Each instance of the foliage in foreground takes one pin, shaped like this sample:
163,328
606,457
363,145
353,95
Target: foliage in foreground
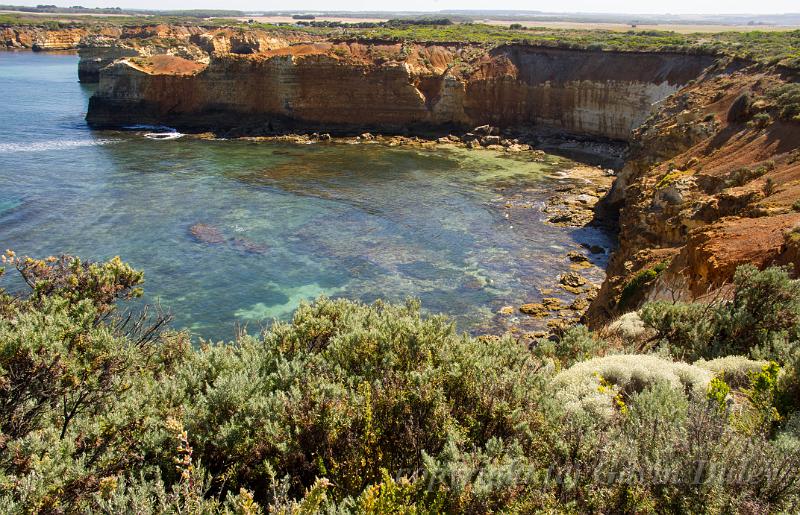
374,409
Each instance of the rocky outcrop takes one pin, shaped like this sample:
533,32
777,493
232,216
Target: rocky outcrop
41,39
187,42
232,41
704,191
16,38
97,52
394,87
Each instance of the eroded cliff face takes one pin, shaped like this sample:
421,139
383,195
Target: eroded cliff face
41,39
97,51
193,43
393,87
705,190
596,93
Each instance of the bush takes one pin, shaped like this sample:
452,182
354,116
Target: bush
769,187
744,175
368,409
594,385
760,120
629,326
669,454
740,109
576,344
787,98
345,391
736,371
634,289
762,320
380,385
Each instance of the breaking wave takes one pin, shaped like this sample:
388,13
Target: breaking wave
49,145
163,135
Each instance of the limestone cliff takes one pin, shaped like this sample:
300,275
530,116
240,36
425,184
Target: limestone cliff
395,87
41,39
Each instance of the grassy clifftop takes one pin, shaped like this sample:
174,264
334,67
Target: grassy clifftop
773,47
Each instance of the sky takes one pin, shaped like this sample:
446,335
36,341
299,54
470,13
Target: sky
593,6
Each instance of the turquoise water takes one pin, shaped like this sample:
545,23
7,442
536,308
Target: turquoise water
239,232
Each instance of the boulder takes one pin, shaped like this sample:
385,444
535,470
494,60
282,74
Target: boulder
208,234
483,130
577,257
552,303
571,279
579,304
506,310
535,310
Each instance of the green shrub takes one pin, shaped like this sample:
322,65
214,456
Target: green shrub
736,371
762,320
718,391
593,386
744,175
634,289
669,454
769,187
576,344
343,392
364,370
353,408
629,326
760,120
762,395
787,98
740,108
683,329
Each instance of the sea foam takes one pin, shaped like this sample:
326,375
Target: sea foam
49,145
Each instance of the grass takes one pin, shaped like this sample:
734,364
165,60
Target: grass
670,178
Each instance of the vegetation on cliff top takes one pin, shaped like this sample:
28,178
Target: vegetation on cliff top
773,47
377,409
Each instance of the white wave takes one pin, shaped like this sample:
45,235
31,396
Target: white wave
45,146
163,135
151,128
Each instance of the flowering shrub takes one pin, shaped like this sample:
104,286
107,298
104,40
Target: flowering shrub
594,385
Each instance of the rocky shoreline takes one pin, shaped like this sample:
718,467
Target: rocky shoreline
708,173
572,203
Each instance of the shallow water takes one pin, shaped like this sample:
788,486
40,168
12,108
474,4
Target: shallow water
240,232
